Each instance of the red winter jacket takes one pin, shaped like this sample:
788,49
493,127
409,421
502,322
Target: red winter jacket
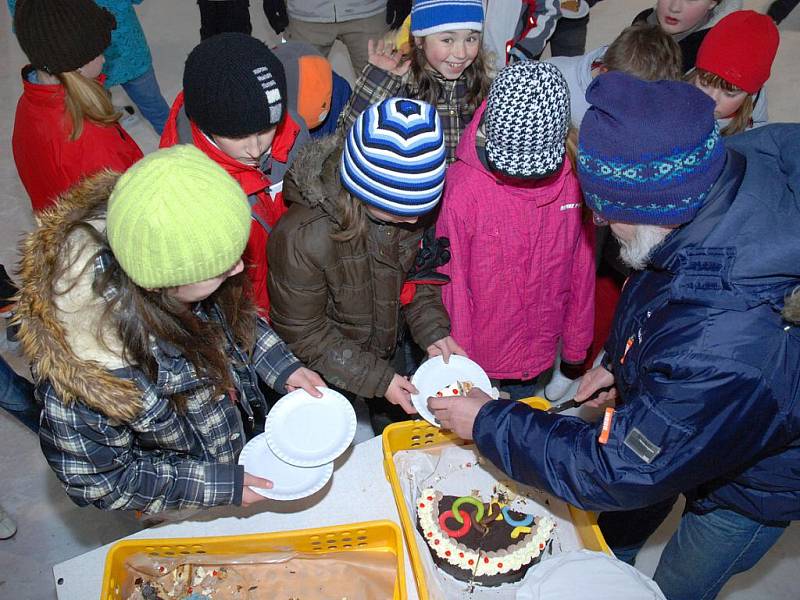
266,197
48,162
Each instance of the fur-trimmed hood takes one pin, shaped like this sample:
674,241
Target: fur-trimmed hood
59,313
313,179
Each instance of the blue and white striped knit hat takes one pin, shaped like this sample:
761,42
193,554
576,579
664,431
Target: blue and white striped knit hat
648,151
431,16
394,157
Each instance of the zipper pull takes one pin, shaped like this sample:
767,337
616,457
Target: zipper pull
628,346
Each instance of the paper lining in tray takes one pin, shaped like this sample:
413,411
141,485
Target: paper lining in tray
459,471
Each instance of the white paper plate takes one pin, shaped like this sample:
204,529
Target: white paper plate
434,374
289,482
583,10
307,432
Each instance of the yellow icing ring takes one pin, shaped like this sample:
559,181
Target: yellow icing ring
467,500
519,531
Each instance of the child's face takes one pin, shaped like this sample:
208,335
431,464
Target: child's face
195,292
387,217
677,16
727,102
92,69
451,52
248,149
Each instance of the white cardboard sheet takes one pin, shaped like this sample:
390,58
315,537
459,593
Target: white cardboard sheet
458,471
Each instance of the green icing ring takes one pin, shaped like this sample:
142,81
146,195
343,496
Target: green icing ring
467,500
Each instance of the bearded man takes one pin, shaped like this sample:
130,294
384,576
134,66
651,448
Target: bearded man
703,360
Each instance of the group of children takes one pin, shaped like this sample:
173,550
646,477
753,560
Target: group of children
446,205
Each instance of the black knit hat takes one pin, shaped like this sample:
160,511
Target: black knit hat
233,85
62,35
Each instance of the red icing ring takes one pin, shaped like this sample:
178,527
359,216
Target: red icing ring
457,533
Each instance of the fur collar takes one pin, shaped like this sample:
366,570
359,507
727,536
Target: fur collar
60,318
313,180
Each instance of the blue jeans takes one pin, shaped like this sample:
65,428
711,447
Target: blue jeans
704,553
145,93
16,396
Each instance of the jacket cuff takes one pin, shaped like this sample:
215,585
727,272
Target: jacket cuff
498,432
280,382
238,485
432,335
383,383
223,484
573,356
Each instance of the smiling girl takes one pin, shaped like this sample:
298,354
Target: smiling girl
446,67
733,64
688,21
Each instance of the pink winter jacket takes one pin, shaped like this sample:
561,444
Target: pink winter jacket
522,266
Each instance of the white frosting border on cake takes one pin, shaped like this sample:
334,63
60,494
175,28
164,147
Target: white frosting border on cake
448,549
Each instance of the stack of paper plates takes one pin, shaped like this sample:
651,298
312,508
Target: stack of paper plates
302,437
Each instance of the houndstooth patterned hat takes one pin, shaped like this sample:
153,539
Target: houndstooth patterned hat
527,118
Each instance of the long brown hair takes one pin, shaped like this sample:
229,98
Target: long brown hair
139,315
477,78
743,118
352,216
86,99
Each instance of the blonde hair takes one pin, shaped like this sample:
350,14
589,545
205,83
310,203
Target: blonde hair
743,118
353,219
571,146
86,99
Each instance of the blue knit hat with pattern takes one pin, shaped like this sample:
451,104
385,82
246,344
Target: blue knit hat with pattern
432,16
394,157
649,151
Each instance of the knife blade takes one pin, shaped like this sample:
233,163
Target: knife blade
574,403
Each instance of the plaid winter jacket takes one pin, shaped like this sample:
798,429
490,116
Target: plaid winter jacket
375,85
112,435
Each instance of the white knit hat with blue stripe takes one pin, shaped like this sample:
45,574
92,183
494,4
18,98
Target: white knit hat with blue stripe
432,16
394,157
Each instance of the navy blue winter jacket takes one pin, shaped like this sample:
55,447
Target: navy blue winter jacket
710,377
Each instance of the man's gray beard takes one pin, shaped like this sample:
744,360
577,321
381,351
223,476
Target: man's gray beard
636,253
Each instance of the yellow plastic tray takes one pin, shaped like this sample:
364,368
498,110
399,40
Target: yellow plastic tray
371,535
418,434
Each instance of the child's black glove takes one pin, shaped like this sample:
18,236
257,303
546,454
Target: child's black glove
433,253
396,12
276,14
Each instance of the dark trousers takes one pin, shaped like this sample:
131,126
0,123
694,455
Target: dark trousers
16,396
7,288
569,37
626,531
221,16
780,9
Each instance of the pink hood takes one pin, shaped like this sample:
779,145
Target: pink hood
522,266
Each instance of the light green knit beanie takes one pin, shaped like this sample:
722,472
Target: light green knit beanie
176,217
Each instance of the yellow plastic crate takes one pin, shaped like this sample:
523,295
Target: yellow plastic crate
371,535
418,434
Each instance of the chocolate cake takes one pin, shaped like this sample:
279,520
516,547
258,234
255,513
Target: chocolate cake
488,544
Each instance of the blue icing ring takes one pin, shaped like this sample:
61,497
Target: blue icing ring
526,522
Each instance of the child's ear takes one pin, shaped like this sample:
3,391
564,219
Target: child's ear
419,41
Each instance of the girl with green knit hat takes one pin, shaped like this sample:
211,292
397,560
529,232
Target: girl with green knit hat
145,346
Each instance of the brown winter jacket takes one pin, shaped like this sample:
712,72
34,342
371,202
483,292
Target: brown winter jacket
337,303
